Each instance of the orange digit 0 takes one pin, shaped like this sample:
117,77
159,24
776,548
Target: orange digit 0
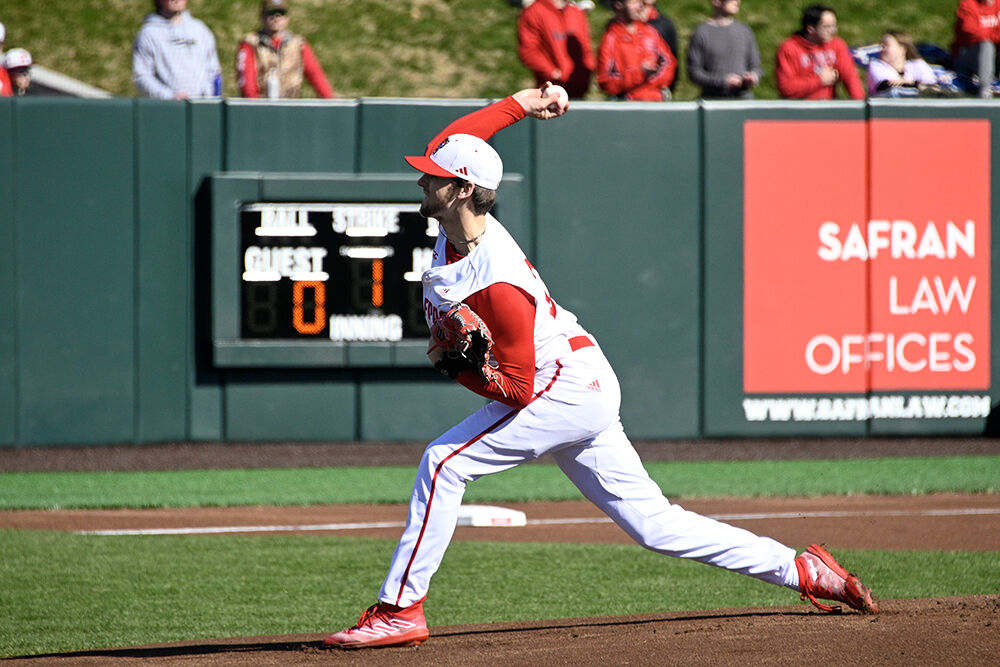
319,307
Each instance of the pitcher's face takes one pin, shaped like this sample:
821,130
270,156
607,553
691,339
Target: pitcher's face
439,195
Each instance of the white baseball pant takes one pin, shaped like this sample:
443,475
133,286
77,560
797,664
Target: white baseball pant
574,417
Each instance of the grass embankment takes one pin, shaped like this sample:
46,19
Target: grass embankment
420,48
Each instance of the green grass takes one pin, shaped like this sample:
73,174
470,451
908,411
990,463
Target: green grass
64,592
388,48
533,482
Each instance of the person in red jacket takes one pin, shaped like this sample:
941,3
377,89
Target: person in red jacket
273,61
974,50
810,63
634,63
553,41
6,90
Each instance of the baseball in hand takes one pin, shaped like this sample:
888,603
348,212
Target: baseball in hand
558,95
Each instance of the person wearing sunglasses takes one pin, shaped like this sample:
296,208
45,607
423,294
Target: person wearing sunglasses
273,62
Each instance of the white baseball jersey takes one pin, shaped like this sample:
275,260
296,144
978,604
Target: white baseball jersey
497,258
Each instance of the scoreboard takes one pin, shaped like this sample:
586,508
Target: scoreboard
324,270
344,272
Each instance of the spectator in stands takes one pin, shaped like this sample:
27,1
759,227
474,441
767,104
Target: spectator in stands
634,63
585,5
17,63
723,58
668,32
553,41
5,87
810,63
273,61
898,70
974,49
174,55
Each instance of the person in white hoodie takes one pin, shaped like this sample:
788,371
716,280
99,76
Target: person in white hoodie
174,55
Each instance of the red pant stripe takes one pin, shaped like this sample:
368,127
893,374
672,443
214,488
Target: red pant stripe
430,498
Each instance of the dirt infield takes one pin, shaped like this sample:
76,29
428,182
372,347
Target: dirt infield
953,631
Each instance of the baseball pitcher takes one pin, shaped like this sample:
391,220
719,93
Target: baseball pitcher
497,330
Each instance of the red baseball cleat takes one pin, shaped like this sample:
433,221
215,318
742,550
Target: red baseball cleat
384,624
820,576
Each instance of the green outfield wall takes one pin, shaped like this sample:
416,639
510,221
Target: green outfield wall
751,269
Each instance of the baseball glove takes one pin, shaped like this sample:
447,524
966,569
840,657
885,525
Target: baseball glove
466,342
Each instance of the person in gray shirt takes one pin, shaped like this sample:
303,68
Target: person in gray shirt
174,55
723,58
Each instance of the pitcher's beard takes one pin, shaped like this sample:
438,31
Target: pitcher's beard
431,209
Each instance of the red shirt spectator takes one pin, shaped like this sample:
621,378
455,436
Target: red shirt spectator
809,64
553,41
976,21
635,63
6,90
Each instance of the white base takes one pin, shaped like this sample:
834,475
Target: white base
482,516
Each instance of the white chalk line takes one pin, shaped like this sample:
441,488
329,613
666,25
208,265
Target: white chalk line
324,527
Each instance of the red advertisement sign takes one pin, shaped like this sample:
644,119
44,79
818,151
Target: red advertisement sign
866,256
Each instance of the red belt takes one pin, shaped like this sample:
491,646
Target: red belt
580,342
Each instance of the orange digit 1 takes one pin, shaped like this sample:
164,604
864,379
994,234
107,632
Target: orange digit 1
318,307
378,297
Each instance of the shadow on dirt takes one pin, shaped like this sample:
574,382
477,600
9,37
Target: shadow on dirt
186,650
609,623
220,648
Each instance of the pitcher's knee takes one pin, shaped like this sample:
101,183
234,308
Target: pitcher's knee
432,460
434,455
